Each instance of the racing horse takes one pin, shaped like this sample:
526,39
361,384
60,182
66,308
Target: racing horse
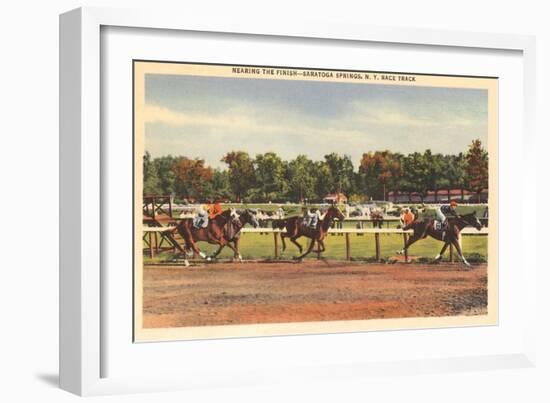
295,228
213,233
232,231
449,235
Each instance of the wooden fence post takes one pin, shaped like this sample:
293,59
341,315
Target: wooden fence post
276,239
151,254
348,251
156,243
377,245
405,238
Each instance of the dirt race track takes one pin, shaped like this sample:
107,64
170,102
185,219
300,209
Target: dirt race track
246,293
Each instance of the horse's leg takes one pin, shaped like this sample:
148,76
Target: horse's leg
183,250
222,242
197,251
236,249
456,244
200,235
443,249
322,243
291,232
293,240
309,249
283,236
415,237
215,254
185,233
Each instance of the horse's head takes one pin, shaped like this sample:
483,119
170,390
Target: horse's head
249,217
233,214
230,214
335,213
472,220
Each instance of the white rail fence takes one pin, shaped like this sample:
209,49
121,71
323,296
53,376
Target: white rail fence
155,237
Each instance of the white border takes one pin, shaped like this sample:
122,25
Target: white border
80,309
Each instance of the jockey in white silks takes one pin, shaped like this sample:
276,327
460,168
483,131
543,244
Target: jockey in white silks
312,217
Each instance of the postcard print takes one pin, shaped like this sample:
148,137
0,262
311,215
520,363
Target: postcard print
278,201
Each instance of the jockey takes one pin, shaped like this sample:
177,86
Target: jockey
206,212
446,210
201,219
311,217
407,217
214,209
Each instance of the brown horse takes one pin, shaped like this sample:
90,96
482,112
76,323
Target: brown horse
232,231
295,228
449,235
213,233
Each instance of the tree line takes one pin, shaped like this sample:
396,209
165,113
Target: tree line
267,177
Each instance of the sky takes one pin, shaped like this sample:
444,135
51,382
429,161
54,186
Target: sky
206,117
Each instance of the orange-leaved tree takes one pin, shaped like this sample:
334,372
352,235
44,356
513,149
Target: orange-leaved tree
477,168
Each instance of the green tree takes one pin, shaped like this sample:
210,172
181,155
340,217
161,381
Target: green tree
270,178
221,185
440,173
416,173
241,169
151,183
301,179
323,179
477,168
341,177
454,172
167,176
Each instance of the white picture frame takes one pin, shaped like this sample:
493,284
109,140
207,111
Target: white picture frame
82,344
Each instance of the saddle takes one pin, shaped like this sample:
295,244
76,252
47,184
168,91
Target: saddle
439,226
306,225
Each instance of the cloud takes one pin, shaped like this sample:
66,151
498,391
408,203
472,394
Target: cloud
247,120
410,116
160,114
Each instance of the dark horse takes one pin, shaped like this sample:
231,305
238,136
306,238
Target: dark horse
449,235
232,231
213,233
295,228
